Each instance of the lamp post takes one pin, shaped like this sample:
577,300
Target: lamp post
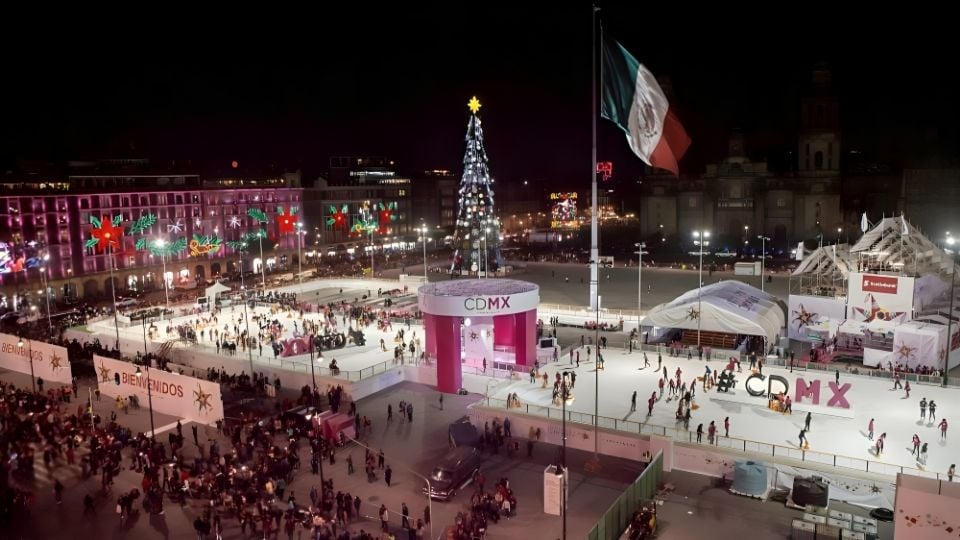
46,292
423,238
246,319
953,283
418,475
763,257
153,431
113,293
299,253
639,253
33,379
372,251
564,395
701,241
486,248
160,243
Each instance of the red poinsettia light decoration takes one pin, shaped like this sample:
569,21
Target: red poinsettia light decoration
106,232
286,220
387,215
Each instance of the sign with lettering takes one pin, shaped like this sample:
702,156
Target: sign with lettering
178,395
50,362
880,284
805,393
479,304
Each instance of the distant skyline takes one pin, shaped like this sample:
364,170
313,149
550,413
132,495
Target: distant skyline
394,82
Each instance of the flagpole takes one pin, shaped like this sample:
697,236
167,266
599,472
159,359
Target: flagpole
594,463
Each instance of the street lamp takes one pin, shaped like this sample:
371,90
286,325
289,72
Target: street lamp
763,256
33,379
113,293
46,292
246,319
701,241
953,283
153,432
423,237
300,233
160,243
564,396
640,254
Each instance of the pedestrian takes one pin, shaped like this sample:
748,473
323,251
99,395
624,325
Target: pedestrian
633,401
806,423
916,445
650,402
384,516
870,430
646,363
196,440
700,433
838,376
659,361
410,412
907,390
726,427
58,491
896,381
405,512
380,459
387,475
923,408
389,412
712,433
441,401
933,411
943,428
803,437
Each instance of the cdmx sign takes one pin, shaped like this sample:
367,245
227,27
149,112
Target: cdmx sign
804,391
486,303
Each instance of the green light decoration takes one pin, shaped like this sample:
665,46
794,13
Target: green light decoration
246,240
366,220
258,215
388,214
143,223
167,250
338,218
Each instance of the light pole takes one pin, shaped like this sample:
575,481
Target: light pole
953,283
160,243
423,237
486,248
564,395
763,257
246,319
372,251
46,292
300,254
418,475
33,379
701,241
153,431
113,293
639,253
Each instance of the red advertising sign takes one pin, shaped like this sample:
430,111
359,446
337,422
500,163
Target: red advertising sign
880,284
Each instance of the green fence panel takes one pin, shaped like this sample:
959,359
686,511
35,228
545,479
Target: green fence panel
614,521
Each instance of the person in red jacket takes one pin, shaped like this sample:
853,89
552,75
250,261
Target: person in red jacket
943,428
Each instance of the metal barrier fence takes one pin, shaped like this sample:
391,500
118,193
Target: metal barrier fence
684,435
935,380
614,521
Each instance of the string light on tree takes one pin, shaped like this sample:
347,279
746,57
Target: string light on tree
475,204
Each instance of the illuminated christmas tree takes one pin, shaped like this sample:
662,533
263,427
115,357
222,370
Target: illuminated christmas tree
477,237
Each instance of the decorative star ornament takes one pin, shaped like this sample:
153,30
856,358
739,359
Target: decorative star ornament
904,352
474,105
175,227
804,317
104,372
55,362
693,314
202,399
234,222
474,336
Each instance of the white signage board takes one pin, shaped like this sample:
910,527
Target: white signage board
50,362
479,304
173,394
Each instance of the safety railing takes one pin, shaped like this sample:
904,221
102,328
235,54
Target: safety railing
864,372
684,435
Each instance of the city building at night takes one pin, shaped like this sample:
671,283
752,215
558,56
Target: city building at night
46,224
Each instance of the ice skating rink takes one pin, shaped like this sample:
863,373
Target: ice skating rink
843,433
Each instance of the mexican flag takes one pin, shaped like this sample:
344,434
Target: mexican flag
632,99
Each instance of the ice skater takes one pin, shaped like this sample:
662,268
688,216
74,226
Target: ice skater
803,438
646,363
879,447
712,433
726,427
633,401
916,445
870,430
923,454
943,428
700,434
933,411
896,381
650,402
907,390
806,422
923,409
951,471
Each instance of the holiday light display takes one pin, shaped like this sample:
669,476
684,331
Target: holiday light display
477,237
387,216
338,217
286,220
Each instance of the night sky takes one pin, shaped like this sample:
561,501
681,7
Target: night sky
292,89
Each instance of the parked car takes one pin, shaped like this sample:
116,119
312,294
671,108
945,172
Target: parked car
13,317
455,470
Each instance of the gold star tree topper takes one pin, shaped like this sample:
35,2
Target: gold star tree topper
474,105
202,399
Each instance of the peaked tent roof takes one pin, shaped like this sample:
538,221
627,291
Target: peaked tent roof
728,306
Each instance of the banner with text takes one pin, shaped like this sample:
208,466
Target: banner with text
874,296
50,362
174,394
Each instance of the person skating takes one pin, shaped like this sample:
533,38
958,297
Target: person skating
879,447
633,401
923,454
838,377
700,433
870,430
650,402
802,437
712,433
923,408
907,390
646,363
951,471
916,445
659,362
806,422
896,381
660,386
943,428
932,407
726,427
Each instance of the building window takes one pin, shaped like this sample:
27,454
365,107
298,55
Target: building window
781,203
693,202
818,160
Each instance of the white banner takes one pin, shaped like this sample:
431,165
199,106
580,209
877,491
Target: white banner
919,345
479,303
808,312
50,362
173,394
873,296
